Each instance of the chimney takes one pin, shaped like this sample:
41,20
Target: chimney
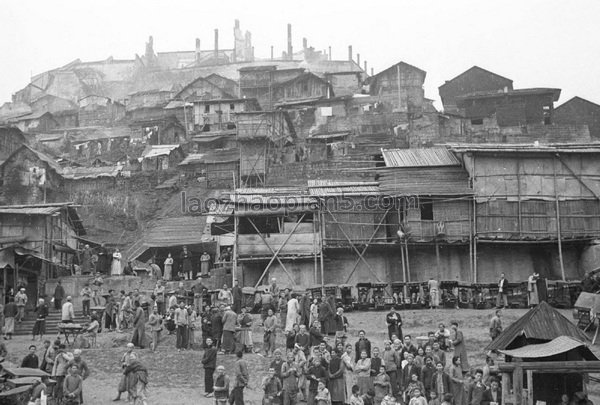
358,59
271,52
216,43
350,52
290,50
365,69
198,49
304,43
372,72
329,53
237,24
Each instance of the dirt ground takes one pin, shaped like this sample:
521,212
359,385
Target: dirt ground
176,378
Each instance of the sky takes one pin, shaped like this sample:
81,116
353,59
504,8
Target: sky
536,43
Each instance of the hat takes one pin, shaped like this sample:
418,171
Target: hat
69,298
130,345
77,351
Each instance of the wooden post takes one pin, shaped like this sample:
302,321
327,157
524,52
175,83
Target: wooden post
322,226
437,258
235,249
518,385
407,262
474,231
315,246
558,227
519,208
529,387
506,398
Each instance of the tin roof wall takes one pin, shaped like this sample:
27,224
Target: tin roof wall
437,156
158,150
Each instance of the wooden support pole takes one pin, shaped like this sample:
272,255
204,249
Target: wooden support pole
519,208
529,387
361,256
276,253
353,247
474,230
558,227
506,389
322,229
407,262
315,247
235,250
518,385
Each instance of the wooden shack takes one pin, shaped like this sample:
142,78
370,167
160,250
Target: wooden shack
217,168
545,356
535,207
37,242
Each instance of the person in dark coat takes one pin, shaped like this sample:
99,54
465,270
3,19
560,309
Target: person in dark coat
236,292
31,360
332,307
59,296
305,309
316,337
394,323
103,262
185,258
217,327
362,345
492,394
209,362
325,316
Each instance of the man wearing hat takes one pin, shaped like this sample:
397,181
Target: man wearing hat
68,314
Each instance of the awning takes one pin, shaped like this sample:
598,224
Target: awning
561,344
207,139
89,241
329,135
22,251
264,211
60,247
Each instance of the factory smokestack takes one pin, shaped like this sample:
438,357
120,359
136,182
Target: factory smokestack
290,50
329,53
365,69
271,52
216,43
358,59
197,49
350,52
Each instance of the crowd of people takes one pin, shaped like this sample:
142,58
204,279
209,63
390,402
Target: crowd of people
312,357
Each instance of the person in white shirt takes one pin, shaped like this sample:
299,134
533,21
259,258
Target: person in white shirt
68,314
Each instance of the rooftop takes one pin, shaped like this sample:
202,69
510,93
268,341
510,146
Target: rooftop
437,156
539,91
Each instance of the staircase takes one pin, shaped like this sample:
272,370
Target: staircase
52,320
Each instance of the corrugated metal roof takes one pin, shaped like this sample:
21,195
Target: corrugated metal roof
30,210
542,323
584,147
438,156
561,344
75,173
446,180
158,150
175,232
332,187
272,191
211,157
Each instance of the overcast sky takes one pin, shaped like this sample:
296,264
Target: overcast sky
536,43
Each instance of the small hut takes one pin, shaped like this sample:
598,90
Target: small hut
546,356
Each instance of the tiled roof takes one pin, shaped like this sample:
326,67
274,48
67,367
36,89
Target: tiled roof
438,156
